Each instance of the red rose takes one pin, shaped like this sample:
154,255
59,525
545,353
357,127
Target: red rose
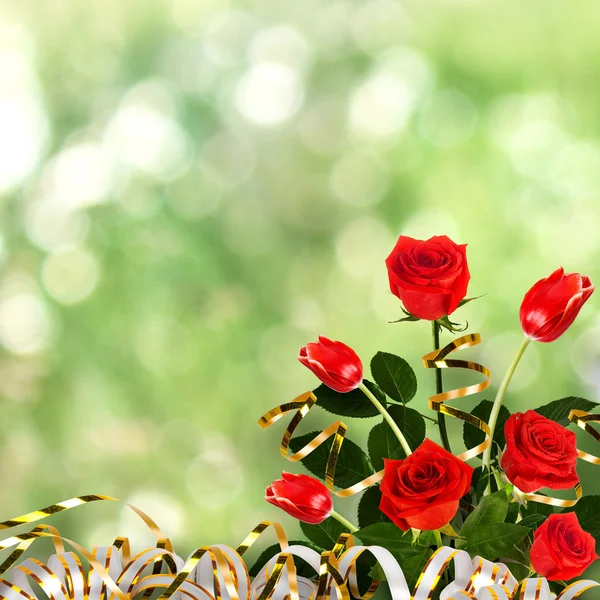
539,453
301,496
430,277
334,363
423,490
552,304
562,550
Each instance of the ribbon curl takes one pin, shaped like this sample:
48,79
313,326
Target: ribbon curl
581,419
219,572
437,360
302,405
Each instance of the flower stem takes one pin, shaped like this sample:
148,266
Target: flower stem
438,538
344,521
439,388
386,415
487,456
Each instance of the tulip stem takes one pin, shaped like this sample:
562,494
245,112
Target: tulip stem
487,455
439,387
344,521
386,415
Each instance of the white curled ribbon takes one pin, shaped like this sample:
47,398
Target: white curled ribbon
475,579
64,578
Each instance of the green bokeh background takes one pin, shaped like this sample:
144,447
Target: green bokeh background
193,189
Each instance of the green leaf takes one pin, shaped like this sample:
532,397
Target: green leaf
304,569
394,376
480,480
368,508
382,441
414,564
517,561
491,509
390,536
493,540
352,404
588,513
324,535
353,464
451,326
473,437
466,300
534,514
513,512
559,409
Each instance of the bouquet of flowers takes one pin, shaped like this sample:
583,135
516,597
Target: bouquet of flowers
431,521
498,499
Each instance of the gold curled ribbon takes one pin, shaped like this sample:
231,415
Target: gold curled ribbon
437,360
302,405
222,558
581,419
554,501
63,578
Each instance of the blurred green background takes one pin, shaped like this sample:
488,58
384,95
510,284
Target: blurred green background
193,189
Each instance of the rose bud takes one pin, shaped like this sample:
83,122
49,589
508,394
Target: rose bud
539,453
551,305
423,490
561,549
334,363
430,277
301,496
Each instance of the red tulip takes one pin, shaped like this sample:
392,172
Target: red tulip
552,304
334,363
301,496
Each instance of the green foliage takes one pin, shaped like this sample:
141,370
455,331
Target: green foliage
353,464
491,509
493,540
480,480
325,534
485,533
394,376
383,443
388,535
411,554
368,508
559,409
534,514
351,404
473,436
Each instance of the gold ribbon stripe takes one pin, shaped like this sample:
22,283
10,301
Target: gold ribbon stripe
437,360
581,419
302,405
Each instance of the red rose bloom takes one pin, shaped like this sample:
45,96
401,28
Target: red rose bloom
430,277
301,496
561,549
552,304
423,490
334,363
539,453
